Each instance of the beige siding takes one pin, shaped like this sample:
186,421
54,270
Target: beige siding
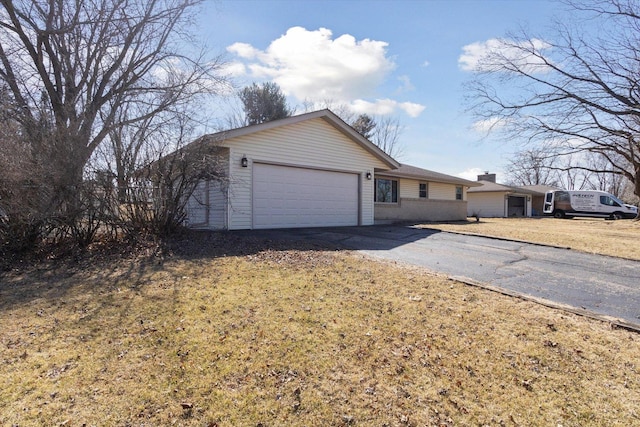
198,206
440,191
239,192
217,205
488,205
409,188
312,143
207,207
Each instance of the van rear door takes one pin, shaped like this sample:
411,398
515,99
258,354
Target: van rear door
548,203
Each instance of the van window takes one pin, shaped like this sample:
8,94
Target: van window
563,196
608,201
548,197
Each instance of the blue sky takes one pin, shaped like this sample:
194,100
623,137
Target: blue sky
401,58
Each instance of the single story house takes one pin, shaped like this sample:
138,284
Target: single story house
314,170
409,193
493,200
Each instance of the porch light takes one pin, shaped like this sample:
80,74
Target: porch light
368,175
244,162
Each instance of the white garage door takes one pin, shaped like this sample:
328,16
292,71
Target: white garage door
297,197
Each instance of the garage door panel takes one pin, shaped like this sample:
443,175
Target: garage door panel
286,196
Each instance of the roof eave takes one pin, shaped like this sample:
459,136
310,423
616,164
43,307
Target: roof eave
461,181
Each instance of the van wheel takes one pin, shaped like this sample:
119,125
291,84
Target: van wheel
616,215
558,214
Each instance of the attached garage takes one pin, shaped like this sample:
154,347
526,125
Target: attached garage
289,197
311,170
516,206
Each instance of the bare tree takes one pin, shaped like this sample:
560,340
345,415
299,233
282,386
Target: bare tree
157,193
532,167
543,166
383,131
19,227
604,181
147,171
87,65
90,58
386,136
26,190
579,92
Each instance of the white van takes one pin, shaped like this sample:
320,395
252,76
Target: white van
597,204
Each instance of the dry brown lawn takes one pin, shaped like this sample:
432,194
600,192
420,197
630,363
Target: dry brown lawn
616,238
236,332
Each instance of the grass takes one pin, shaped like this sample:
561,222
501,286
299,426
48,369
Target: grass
238,332
615,238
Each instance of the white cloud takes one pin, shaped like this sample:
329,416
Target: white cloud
412,109
243,50
314,66
234,68
426,64
471,174
383,107
488,125
406,86
494,54
380,107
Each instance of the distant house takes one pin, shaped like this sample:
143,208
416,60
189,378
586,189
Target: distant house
493,200
314,170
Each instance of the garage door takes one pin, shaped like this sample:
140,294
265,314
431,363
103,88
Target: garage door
516,206
286,196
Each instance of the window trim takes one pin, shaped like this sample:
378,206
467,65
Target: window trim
461,194
426,190
395,187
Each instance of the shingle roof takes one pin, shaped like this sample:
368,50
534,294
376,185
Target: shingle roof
488,187
542,189
407,171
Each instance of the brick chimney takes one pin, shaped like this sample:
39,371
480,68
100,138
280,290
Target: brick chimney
491,177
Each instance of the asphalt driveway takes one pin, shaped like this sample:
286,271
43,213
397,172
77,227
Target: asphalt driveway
599,286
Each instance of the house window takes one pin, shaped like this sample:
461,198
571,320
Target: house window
386,190
422,193
458,193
